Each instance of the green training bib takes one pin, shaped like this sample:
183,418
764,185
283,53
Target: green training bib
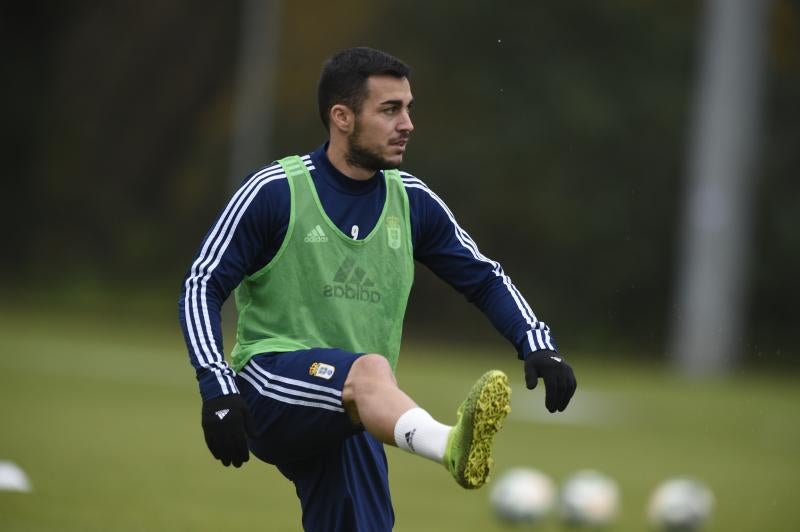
324,289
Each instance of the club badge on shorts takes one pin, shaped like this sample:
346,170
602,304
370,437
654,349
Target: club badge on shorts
323,371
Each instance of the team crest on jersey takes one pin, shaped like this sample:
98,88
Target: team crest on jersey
323,371
393,231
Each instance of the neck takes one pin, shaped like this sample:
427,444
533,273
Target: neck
337,155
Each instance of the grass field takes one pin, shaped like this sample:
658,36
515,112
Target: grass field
103,415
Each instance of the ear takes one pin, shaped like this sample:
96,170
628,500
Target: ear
342,118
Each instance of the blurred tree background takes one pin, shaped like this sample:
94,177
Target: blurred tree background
557,133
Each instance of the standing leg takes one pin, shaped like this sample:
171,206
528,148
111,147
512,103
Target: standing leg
346,489
339,470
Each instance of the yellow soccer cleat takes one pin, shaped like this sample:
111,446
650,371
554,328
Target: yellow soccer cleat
468,455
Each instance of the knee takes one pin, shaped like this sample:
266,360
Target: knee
372,366
369,371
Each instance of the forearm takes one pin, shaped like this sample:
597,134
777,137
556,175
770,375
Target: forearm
200,317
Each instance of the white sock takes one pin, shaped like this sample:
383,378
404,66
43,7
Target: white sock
417,432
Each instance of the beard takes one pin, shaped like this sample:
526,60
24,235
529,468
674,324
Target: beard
362,156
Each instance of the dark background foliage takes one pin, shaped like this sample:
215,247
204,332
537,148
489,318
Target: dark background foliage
557,132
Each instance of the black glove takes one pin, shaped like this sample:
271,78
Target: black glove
226,423
559,380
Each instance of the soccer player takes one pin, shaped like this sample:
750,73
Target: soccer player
320,250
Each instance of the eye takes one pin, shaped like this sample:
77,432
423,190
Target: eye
391,110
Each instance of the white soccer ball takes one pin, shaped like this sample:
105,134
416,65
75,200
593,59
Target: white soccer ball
680,504
522,495
13,478
589,499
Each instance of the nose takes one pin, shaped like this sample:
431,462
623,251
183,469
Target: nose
405,124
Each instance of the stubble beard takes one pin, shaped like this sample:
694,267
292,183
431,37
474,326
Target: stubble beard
363,157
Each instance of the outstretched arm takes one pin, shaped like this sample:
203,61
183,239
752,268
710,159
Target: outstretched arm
444,247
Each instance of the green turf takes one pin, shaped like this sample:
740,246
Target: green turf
103,415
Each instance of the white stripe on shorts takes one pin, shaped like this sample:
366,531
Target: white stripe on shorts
284,399
264,384
287,380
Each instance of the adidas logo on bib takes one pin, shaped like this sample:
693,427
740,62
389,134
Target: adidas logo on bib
352,282
316,235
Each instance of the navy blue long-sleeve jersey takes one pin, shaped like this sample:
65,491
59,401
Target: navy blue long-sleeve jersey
250,230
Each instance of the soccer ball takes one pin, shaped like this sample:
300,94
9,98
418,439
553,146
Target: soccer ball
522,495
589,499
680,504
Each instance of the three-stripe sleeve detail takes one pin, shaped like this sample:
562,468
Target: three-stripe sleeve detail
204,347
538,335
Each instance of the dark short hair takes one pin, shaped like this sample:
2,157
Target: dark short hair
344,78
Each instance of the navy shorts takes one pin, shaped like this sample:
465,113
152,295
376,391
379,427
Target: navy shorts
339,470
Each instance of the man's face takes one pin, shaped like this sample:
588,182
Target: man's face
382,128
